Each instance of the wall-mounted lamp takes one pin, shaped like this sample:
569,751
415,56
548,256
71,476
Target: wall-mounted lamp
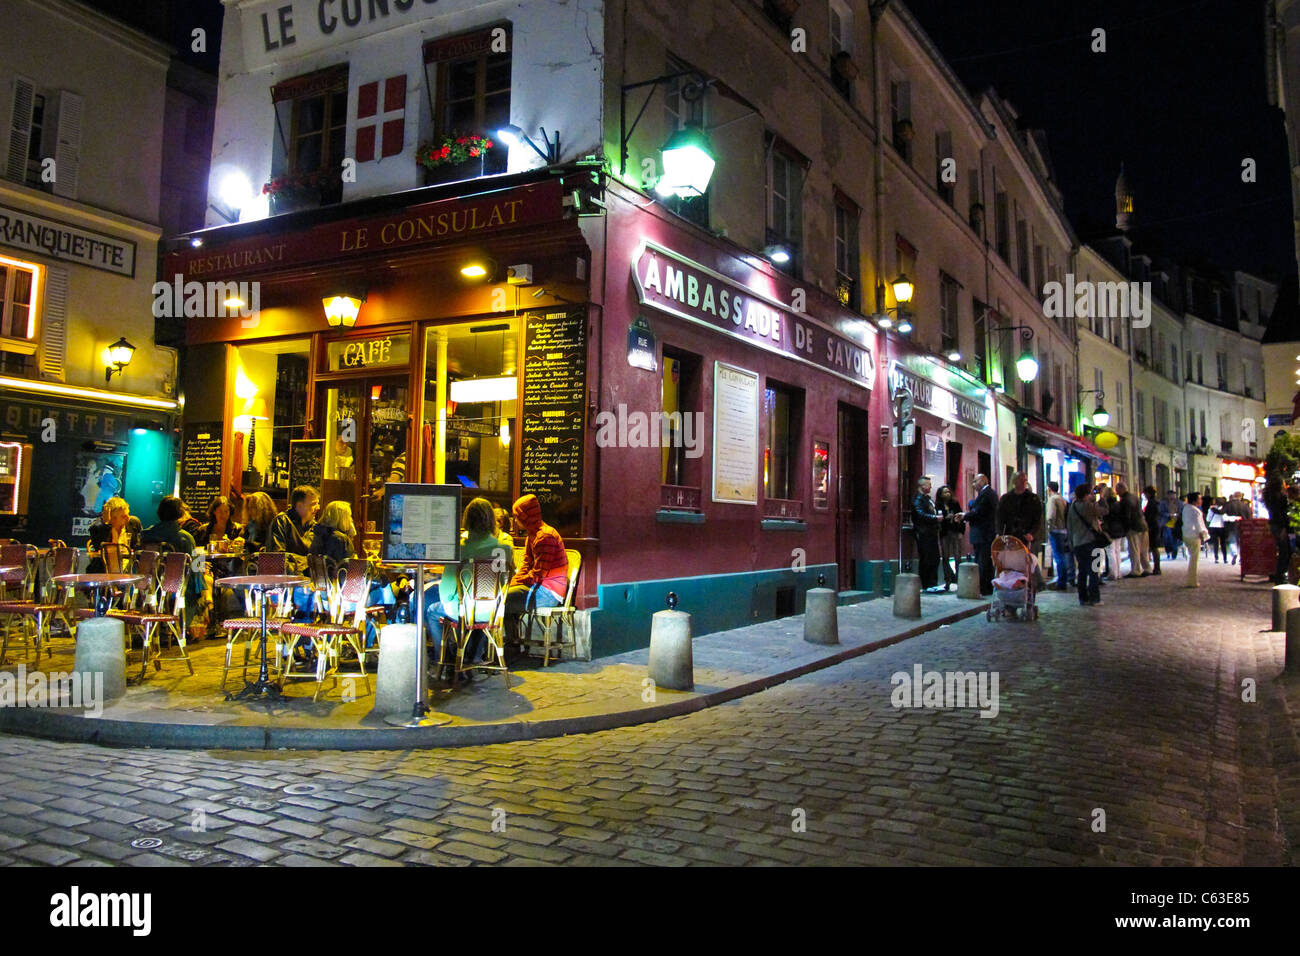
513,136
688,163
119,357
777,254
1100,417
341,311
903,291
1026,364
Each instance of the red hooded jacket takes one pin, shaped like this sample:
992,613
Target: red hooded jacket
545,562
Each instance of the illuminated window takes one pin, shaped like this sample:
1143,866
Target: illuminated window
18,288
781,410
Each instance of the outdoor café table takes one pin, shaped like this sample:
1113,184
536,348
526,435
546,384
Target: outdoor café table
259,584
95,583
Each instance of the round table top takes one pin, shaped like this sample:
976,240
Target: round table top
97,580
11,568
265,581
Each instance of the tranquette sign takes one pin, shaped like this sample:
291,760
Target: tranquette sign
22,230
691,291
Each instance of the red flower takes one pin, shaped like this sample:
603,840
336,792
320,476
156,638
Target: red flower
473,150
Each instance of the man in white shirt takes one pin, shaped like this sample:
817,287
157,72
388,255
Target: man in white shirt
1194,532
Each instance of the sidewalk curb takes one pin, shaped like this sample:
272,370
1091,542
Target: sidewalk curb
55,725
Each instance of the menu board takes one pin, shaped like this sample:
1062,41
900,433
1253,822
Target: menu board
422,523
735,435
554,422
201,465
306,462
1258,547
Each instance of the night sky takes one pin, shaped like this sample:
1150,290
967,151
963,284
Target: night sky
1179,97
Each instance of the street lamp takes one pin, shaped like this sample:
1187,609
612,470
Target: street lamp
512,135
1026,364
341,310
119,357
1100,417
903,290
688,164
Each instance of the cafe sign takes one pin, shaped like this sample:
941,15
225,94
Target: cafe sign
956,400
688,290
369,353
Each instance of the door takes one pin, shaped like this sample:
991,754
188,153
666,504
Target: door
366,427
852,505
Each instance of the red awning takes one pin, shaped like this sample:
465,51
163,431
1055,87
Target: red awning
1065,440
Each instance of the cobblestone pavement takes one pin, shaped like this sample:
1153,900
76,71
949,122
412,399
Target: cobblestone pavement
1133,709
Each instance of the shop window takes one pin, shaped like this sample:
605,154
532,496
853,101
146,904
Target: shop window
312,115
471,75
270,408
479,362
847,278
682,428
18,289
781,423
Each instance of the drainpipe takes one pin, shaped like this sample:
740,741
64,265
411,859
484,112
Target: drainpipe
877,11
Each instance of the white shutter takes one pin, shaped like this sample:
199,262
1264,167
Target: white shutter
20,129
53,327
67,145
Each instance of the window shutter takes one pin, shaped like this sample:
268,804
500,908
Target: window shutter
53,328
20,129
67,148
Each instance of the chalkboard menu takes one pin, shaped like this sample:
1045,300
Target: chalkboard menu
201,465
306,462
1258,547
552,436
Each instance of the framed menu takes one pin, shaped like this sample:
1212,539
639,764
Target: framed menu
735,434
553,431
201,465
421,524
306,462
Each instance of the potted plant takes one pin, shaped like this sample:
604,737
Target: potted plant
452,150
303,190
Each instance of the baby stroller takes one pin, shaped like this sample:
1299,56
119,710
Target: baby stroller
1015,570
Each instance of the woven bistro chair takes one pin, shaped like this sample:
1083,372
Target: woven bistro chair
249,627
37,608
482,596
168,616
346,631
553,620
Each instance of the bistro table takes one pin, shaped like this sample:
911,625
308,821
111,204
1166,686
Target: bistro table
96,583
259,584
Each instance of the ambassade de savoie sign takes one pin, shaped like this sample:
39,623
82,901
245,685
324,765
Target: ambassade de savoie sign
677,285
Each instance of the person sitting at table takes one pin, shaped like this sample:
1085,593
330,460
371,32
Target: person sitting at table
219,526
190,523
259,513
168,530
481,540
543,579
114,527
291,531
333,533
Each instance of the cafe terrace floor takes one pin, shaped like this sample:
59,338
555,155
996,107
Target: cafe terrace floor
171,708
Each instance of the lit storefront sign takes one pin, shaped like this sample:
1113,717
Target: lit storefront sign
688,290
1240,471
23,230
369,353
959,401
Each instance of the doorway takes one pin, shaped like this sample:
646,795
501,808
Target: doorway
852,501
366,427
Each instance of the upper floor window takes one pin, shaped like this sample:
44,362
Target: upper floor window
312,112
945,167
470,75
1002,224
842,69
18,287
44,125
1221,367
785,219
900,115
1022,249
847,281
948,325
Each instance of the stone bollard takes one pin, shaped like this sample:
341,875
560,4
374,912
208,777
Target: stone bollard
671,664
968,581
1293,640
395,682
821,624
907,595
101,649
1285,597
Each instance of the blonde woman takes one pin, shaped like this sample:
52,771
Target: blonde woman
259,512
114,527
334,532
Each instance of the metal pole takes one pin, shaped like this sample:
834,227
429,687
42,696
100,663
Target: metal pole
421,678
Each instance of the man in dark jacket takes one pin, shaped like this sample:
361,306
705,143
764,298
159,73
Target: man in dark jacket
1020,512
291,531
925,525
982,517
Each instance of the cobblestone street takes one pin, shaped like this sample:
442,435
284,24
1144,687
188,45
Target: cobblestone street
1133,709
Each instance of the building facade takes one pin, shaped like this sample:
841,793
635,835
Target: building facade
79,234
